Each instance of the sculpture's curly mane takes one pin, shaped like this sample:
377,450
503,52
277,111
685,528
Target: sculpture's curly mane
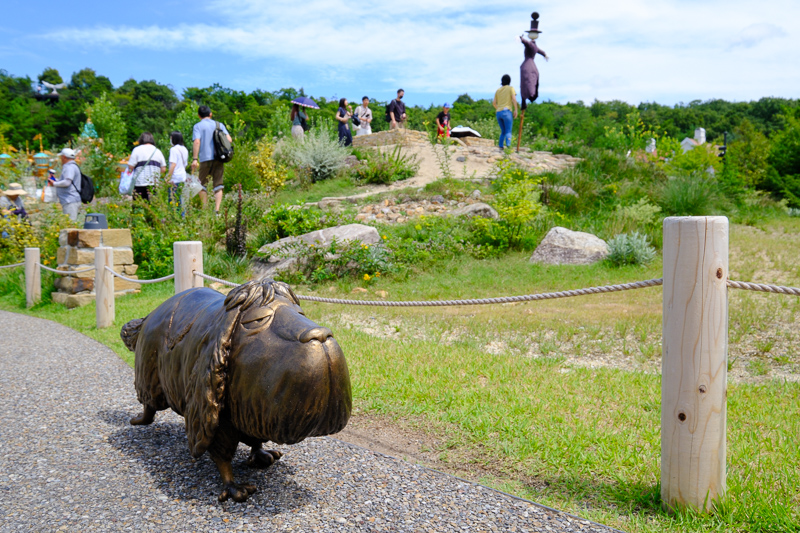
259,292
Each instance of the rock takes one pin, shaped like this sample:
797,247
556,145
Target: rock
565,190
438,199
351,161
359,290
475,194
381,294
566,247
329,203
461,158
478,209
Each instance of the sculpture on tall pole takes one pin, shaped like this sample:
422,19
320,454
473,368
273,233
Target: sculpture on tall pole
528,73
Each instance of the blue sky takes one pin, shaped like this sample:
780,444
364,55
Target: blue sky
667,51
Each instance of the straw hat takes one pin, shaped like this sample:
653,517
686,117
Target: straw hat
14,189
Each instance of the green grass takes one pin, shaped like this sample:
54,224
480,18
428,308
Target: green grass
529,417
339,186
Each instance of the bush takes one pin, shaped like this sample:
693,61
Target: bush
327,263
285,220
320,154
386,166
690,196
630,249
271,173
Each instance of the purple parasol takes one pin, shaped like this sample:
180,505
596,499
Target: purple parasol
305,101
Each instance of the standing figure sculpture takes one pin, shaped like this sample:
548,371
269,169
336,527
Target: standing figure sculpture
249,367
528,73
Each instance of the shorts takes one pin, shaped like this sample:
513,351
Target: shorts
215,169
71,210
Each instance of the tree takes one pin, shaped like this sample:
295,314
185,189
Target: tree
748,155
464,99
51,75
110,127
86,85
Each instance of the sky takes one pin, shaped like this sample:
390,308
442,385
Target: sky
665,51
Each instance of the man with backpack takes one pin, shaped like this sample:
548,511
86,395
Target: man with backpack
68,185
205,154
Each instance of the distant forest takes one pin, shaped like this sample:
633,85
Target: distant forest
767,129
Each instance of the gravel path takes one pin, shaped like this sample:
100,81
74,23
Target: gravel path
69,461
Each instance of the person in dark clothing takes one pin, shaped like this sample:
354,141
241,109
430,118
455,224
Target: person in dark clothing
529,74
443,121
343,115
397,111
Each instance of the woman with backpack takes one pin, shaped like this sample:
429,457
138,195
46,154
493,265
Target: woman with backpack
146,163
343,115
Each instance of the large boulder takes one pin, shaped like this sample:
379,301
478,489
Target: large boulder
566,247
271,263
478,209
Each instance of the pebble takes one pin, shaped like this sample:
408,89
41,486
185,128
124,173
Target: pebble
70,461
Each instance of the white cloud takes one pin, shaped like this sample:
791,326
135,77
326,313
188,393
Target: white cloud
633,50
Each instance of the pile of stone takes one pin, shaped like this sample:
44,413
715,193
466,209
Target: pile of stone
393,211
76,252
391,137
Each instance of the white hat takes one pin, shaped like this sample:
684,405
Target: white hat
69,153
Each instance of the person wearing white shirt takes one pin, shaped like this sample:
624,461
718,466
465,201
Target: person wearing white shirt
364,114
146,162
178,161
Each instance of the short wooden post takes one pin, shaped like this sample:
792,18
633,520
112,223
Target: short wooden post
694,367
33,277
188,258
104,286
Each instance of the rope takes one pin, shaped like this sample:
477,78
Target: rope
501,300
66,272
747,286
140,281
212,278
11,266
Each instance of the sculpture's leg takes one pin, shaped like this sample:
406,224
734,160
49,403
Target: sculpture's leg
147,417
222,450
262,458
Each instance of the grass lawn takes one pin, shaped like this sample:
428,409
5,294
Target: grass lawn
559,401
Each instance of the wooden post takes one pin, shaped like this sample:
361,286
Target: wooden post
104,286
33,277
694,364
188,257
521,121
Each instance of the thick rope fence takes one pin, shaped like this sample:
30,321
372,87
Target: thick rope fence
12,266
694,339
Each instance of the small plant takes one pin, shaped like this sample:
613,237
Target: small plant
630,249
386,166
284,220
236,237
793,212
320,154
271,173
317,264
443,157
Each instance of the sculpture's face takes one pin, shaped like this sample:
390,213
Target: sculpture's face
294,367
533,35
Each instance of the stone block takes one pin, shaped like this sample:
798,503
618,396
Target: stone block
73,285
122,285
116,238
72,236
89,274
73,300
88,238
122,256
63,237
128,270
80,256
61,254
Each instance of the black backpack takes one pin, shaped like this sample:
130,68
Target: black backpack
87,188
389,111
223,149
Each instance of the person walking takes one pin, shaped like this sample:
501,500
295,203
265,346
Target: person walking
68,184
343,115
443,122
298,117
203,155
178,161
147,163
364,114
397,111
505,100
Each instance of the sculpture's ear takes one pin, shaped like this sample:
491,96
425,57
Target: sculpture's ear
206,387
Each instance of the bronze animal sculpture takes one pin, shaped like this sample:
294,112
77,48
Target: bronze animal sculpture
249,367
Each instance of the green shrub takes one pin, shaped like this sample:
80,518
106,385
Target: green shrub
385,166
327,263
320,154
285,220
630,249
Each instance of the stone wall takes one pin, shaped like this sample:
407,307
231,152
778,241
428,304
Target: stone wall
76,252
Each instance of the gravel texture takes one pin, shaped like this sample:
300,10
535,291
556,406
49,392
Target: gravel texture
69,461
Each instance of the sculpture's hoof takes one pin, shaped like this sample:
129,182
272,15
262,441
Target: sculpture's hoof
263,458
238,491
143,419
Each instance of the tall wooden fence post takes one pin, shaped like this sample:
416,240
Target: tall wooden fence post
33,277
104,286
188,257
694,364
